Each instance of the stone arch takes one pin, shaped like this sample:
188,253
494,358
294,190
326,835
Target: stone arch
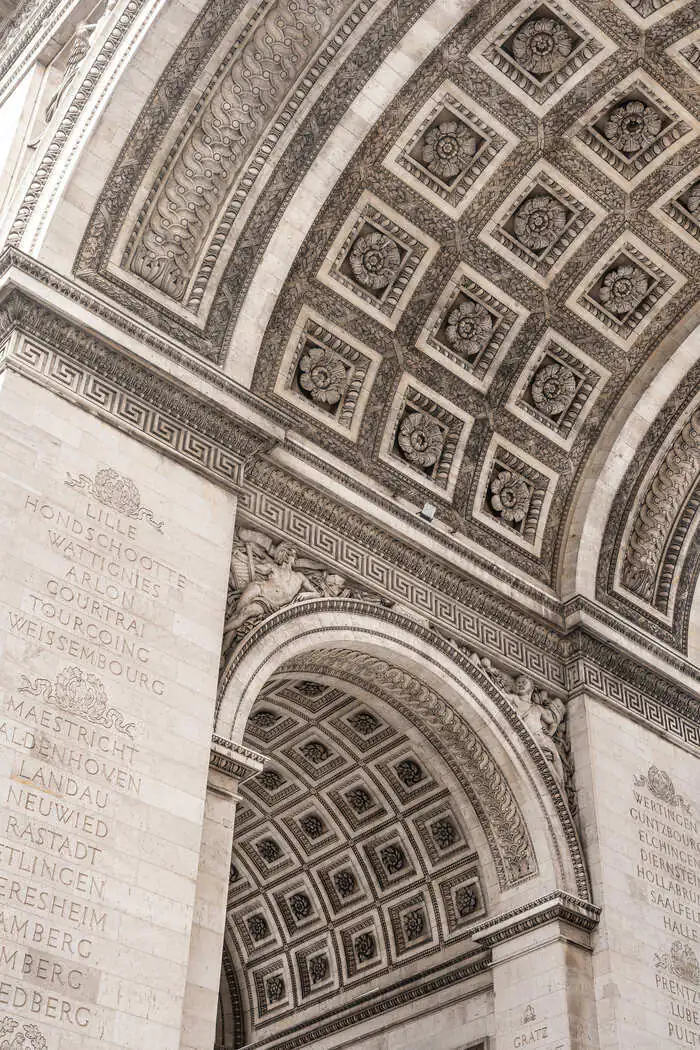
455,702
632,525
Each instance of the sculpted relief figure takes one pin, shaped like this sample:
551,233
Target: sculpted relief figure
542,714
267,576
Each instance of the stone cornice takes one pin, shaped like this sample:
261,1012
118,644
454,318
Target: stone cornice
16,265
554,907
124,391
233,760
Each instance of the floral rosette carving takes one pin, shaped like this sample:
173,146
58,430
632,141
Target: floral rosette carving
693,204
17,1036
80,693
539,221
542,45
623,288
510,496
681,961
114,490
420,439
632,126
448,148
374,260
469,325
552,388
323,375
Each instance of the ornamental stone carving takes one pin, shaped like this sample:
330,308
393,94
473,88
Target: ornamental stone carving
553,388
657,515
632,126
375,260
267,575
542,46
693,200
323,374
542,714
448,148
623,288
469,327
80,693
115,490
420,439
14,1035
510,496
188,197
539,221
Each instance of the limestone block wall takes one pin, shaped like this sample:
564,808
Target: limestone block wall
114,564
639,800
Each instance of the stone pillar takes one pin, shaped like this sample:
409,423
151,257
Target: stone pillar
229,764
543,976
114,561
639,807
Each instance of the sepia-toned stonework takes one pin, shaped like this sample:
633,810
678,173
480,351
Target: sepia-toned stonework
349,502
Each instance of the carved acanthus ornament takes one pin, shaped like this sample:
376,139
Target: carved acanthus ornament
656,517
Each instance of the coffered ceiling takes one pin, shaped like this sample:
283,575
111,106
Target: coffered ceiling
449,242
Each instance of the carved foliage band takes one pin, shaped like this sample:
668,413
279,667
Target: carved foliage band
660,525
263,67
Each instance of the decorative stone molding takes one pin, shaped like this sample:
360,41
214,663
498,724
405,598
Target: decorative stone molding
541,51
130,395
450,149
377,259
633,128
666,516
555,906
542,222
233,760
471,327
327,373
425,436
557,388
625,290
194,203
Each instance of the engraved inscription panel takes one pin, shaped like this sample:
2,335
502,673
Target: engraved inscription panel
109,587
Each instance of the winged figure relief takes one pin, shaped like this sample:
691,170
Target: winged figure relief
267,575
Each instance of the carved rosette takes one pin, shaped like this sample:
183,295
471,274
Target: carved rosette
542,46
632,126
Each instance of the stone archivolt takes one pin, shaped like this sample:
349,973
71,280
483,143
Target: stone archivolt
660,526
263,70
